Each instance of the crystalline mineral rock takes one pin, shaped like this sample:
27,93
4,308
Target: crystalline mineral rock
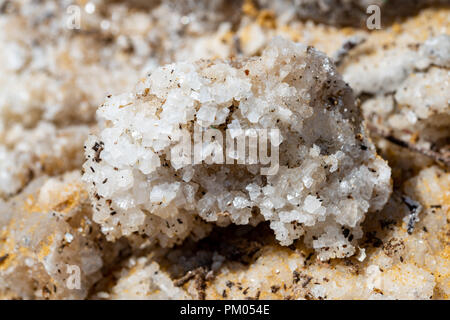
328,175
408,88
157,227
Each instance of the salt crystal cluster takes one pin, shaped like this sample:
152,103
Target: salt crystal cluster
61,58
328,178
407,88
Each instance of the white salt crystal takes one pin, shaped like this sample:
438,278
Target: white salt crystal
322,181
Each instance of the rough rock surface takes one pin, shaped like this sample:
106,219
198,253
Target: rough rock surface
47,231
